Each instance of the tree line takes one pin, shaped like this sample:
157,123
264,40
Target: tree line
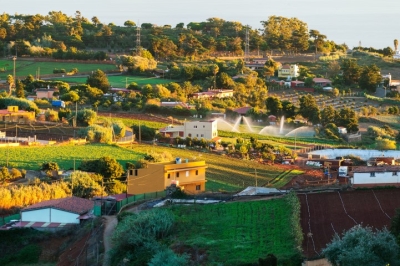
61,36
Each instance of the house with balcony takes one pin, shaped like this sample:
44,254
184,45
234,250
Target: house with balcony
192,129
187,174
288,72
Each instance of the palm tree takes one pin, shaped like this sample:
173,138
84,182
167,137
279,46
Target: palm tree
396,44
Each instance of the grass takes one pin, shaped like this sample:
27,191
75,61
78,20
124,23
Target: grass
130,122
24,68
236,233
120,81
284,178
64,156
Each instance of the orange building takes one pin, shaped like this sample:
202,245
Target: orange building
12,114
190,176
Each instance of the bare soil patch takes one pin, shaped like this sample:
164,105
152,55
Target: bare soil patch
323,214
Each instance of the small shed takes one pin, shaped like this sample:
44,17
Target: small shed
63,211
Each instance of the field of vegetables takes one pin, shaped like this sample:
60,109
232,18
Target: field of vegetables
236,233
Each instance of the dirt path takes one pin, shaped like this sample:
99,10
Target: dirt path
110,224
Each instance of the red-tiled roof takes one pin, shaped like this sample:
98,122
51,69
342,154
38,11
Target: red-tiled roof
70,204
242,110
318,80
383,168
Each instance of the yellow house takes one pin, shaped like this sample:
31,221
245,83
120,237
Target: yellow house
12,114
190,176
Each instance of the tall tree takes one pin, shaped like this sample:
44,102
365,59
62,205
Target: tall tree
273,105
19,89
351,71
309,108
98,79
370,78
319,39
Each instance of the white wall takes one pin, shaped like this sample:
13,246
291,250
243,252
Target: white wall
42,215
200,129
49,215
380,178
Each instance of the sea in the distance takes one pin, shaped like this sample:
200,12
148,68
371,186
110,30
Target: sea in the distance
369,22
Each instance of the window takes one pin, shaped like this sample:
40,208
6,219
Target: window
177,174
187,173
394,173
136,172
197,172
169,176
372,174
190,135
131,172
198,187
202,135
197,135
204,126
195,126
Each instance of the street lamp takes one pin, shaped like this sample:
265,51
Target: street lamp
15,79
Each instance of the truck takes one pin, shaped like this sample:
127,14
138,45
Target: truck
58,103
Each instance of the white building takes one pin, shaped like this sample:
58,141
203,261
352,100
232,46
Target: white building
288,72
63,211
194,129
372,176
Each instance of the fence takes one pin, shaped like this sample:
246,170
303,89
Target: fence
7,219
135,198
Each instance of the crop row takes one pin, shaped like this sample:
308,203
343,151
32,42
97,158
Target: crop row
252,229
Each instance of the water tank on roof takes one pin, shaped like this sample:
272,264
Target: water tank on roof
178,160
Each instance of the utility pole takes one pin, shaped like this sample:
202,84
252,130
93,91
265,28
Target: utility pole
15,78
140,134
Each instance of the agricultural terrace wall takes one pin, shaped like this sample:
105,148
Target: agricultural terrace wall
324,214
303,89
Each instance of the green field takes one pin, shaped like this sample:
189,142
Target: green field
236,233
120,81
225,173
24,68
130,122
33,157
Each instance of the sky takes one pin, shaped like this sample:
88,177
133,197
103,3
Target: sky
373,23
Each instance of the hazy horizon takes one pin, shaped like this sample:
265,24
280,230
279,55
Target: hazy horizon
371,22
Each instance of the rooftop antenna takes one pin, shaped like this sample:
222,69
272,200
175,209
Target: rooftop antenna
138,39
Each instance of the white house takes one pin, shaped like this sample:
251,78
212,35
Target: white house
193,129
288,71
57,211
372,176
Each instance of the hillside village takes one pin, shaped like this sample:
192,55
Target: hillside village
273,154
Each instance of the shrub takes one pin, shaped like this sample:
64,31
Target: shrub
51,115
